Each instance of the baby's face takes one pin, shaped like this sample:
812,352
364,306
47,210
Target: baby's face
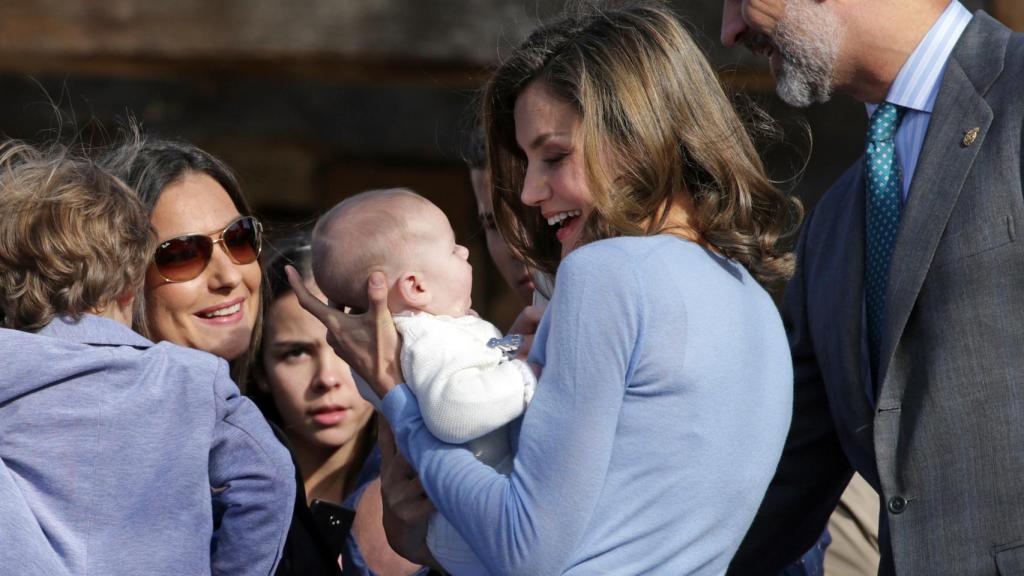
443,264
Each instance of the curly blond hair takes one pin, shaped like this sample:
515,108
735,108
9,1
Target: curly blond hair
73,238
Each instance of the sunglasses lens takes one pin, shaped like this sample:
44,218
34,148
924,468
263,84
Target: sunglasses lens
242,240
184,258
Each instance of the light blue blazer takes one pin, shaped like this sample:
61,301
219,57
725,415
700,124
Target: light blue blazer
120,456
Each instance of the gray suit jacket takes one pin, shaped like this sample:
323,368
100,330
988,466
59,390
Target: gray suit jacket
944,442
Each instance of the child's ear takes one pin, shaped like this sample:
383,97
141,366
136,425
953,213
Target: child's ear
125,304
412,290
126,298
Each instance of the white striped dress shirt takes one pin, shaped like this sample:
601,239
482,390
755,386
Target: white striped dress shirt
915,89
917,85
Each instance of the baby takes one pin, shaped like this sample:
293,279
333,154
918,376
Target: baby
458,366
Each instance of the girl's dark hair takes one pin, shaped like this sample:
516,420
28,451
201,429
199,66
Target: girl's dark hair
149,166
475,148
295,250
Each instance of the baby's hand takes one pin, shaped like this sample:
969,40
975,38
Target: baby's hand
526,324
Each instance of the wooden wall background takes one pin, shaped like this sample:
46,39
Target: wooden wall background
313,100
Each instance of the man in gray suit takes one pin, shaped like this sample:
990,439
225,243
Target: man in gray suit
904,315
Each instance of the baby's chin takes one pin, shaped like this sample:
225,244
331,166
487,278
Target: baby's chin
451,311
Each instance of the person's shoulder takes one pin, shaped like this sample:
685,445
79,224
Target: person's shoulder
187,364
27,355
477,326
835,205
990,56
627,251
641,254
608,258
413,326
10,338
626,264
420,325
39,356
189,357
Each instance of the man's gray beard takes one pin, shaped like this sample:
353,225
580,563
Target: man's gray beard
807,38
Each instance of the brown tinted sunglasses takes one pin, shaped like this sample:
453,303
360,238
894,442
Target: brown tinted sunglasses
185,257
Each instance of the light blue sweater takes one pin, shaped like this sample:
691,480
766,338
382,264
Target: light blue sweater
656,427
110,448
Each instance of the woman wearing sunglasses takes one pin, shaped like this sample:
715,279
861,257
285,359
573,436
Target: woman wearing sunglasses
203,287
203,290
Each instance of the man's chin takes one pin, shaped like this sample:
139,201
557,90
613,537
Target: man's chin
798,90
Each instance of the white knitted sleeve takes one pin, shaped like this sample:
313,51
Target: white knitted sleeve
465,389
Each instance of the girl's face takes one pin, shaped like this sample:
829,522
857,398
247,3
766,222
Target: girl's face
312,387
215,311
548,131
515,273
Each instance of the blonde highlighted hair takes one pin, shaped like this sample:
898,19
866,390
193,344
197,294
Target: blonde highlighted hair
657,130
73,237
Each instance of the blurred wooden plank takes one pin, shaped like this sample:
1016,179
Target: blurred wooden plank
463,30
346,39
420,122
1009,12
334,69
474,32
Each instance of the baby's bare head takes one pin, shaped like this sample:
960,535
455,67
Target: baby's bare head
370,231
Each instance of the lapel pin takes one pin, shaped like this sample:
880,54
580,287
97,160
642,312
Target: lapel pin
970,136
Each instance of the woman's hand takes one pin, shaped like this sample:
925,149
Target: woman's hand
368,532
368,342
406,506
526,324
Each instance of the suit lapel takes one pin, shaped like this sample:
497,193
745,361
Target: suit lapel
942,169
850,292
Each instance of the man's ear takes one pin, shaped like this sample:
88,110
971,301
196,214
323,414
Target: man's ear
412,290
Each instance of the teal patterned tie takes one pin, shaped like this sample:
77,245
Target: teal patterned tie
884,181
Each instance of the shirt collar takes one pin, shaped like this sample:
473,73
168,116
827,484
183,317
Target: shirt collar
91,329
918,81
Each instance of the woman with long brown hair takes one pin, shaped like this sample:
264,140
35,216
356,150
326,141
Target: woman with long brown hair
665,393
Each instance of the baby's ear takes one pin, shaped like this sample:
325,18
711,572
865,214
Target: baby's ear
412,290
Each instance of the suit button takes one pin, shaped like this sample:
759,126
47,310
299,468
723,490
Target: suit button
897,504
